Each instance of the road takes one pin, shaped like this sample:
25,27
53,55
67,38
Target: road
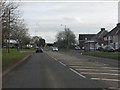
42,71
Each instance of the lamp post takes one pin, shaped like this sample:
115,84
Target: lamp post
8,43
66,30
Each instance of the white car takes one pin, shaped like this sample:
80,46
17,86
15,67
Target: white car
54,48
77,48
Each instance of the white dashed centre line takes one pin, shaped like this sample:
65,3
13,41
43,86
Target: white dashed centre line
77,73
55,59
62,63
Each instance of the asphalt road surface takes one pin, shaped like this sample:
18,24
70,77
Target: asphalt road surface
42,71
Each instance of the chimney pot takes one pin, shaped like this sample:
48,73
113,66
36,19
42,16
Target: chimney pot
102,29
118,24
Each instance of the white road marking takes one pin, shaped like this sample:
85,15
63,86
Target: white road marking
77,73
100,73
114,80
96,70
55,59
94,67
114,88
62,63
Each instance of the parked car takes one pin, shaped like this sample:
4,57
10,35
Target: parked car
118,50
77,48
108,48
54,48
100,48
39,50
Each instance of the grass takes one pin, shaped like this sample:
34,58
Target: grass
25,49
11,58
64,50
109,55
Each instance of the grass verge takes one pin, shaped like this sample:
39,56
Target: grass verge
109,55
8,59
64,50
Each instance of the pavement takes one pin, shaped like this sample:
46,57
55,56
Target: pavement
45,70
76,53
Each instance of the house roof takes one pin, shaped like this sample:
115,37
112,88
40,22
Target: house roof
90,41
114,31
88,36
102,33
118,31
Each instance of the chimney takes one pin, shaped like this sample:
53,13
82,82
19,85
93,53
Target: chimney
118,24
102,29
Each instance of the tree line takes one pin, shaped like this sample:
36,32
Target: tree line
13,26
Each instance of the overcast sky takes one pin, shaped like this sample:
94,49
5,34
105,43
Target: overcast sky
45,18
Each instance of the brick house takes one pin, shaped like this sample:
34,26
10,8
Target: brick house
92,39
100,37
83,38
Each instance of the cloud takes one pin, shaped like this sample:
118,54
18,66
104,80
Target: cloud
73,19
82,17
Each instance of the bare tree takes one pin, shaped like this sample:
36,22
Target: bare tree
66,39
12,25
8,18
41,42
35,40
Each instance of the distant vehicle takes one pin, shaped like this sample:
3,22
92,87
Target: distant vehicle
108,48
39,50
77,48
54,48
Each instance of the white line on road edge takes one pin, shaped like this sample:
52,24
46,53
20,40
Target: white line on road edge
114,80
54,58
62,63
100,73
77,73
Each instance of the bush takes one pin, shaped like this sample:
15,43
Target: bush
25,47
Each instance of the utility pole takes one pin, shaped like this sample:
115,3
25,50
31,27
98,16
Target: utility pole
67,30
68,38
9,31
0,25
